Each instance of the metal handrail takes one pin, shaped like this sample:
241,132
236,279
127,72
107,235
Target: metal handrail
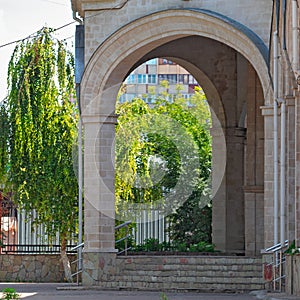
77,247
123,225
125,238
78,261
81,245
278,264
276,247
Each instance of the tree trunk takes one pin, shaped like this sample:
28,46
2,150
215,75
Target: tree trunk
65,261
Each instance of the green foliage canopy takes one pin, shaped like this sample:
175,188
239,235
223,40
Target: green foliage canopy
38,130
163,156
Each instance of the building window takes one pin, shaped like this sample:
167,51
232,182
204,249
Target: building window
172,78
142,79
130,79
126,98
192,80
152,79
183,78
162,77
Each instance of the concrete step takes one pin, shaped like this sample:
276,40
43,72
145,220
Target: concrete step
192,274
201,273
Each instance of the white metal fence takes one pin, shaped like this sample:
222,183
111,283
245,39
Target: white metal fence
151,224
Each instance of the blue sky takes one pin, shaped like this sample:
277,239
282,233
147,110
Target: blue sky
20,18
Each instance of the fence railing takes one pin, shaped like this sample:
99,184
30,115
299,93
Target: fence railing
277,265
34,249
151,223
19,236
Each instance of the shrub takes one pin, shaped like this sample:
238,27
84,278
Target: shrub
10,294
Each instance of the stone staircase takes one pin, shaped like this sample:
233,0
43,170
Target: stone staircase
189,273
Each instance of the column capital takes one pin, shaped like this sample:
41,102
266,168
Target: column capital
100,119
267,110
290,100
236,131
256,189
216,131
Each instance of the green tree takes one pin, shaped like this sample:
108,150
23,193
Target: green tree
4,134
163,156
41,127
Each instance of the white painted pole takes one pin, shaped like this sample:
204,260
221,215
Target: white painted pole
80,183
282,172
275,120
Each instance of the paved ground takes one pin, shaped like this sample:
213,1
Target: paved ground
50,291
56,291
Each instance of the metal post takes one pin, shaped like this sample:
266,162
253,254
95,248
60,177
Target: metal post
282,172
126,244
79,68
275,117
79,266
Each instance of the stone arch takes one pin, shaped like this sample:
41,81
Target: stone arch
105,72
111,61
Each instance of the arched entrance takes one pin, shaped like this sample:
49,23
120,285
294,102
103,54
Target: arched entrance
229,62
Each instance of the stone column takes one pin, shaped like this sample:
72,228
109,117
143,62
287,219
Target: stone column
297,169
99,199
267,112
228,198
254,210
235,234
290,208
254,168
218,188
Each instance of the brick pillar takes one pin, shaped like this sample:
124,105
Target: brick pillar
99,199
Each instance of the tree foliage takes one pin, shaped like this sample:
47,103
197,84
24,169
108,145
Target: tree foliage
163,155
38,130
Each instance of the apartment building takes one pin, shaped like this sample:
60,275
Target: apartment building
145,81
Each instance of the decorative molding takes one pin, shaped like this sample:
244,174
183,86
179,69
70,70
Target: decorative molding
256,189
95,5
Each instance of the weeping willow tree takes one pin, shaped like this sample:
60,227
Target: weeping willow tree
40,128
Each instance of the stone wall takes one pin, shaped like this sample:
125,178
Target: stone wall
32,268
293,274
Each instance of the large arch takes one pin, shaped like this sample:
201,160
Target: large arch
111,61
105,72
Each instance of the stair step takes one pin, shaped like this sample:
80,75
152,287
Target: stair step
189,273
